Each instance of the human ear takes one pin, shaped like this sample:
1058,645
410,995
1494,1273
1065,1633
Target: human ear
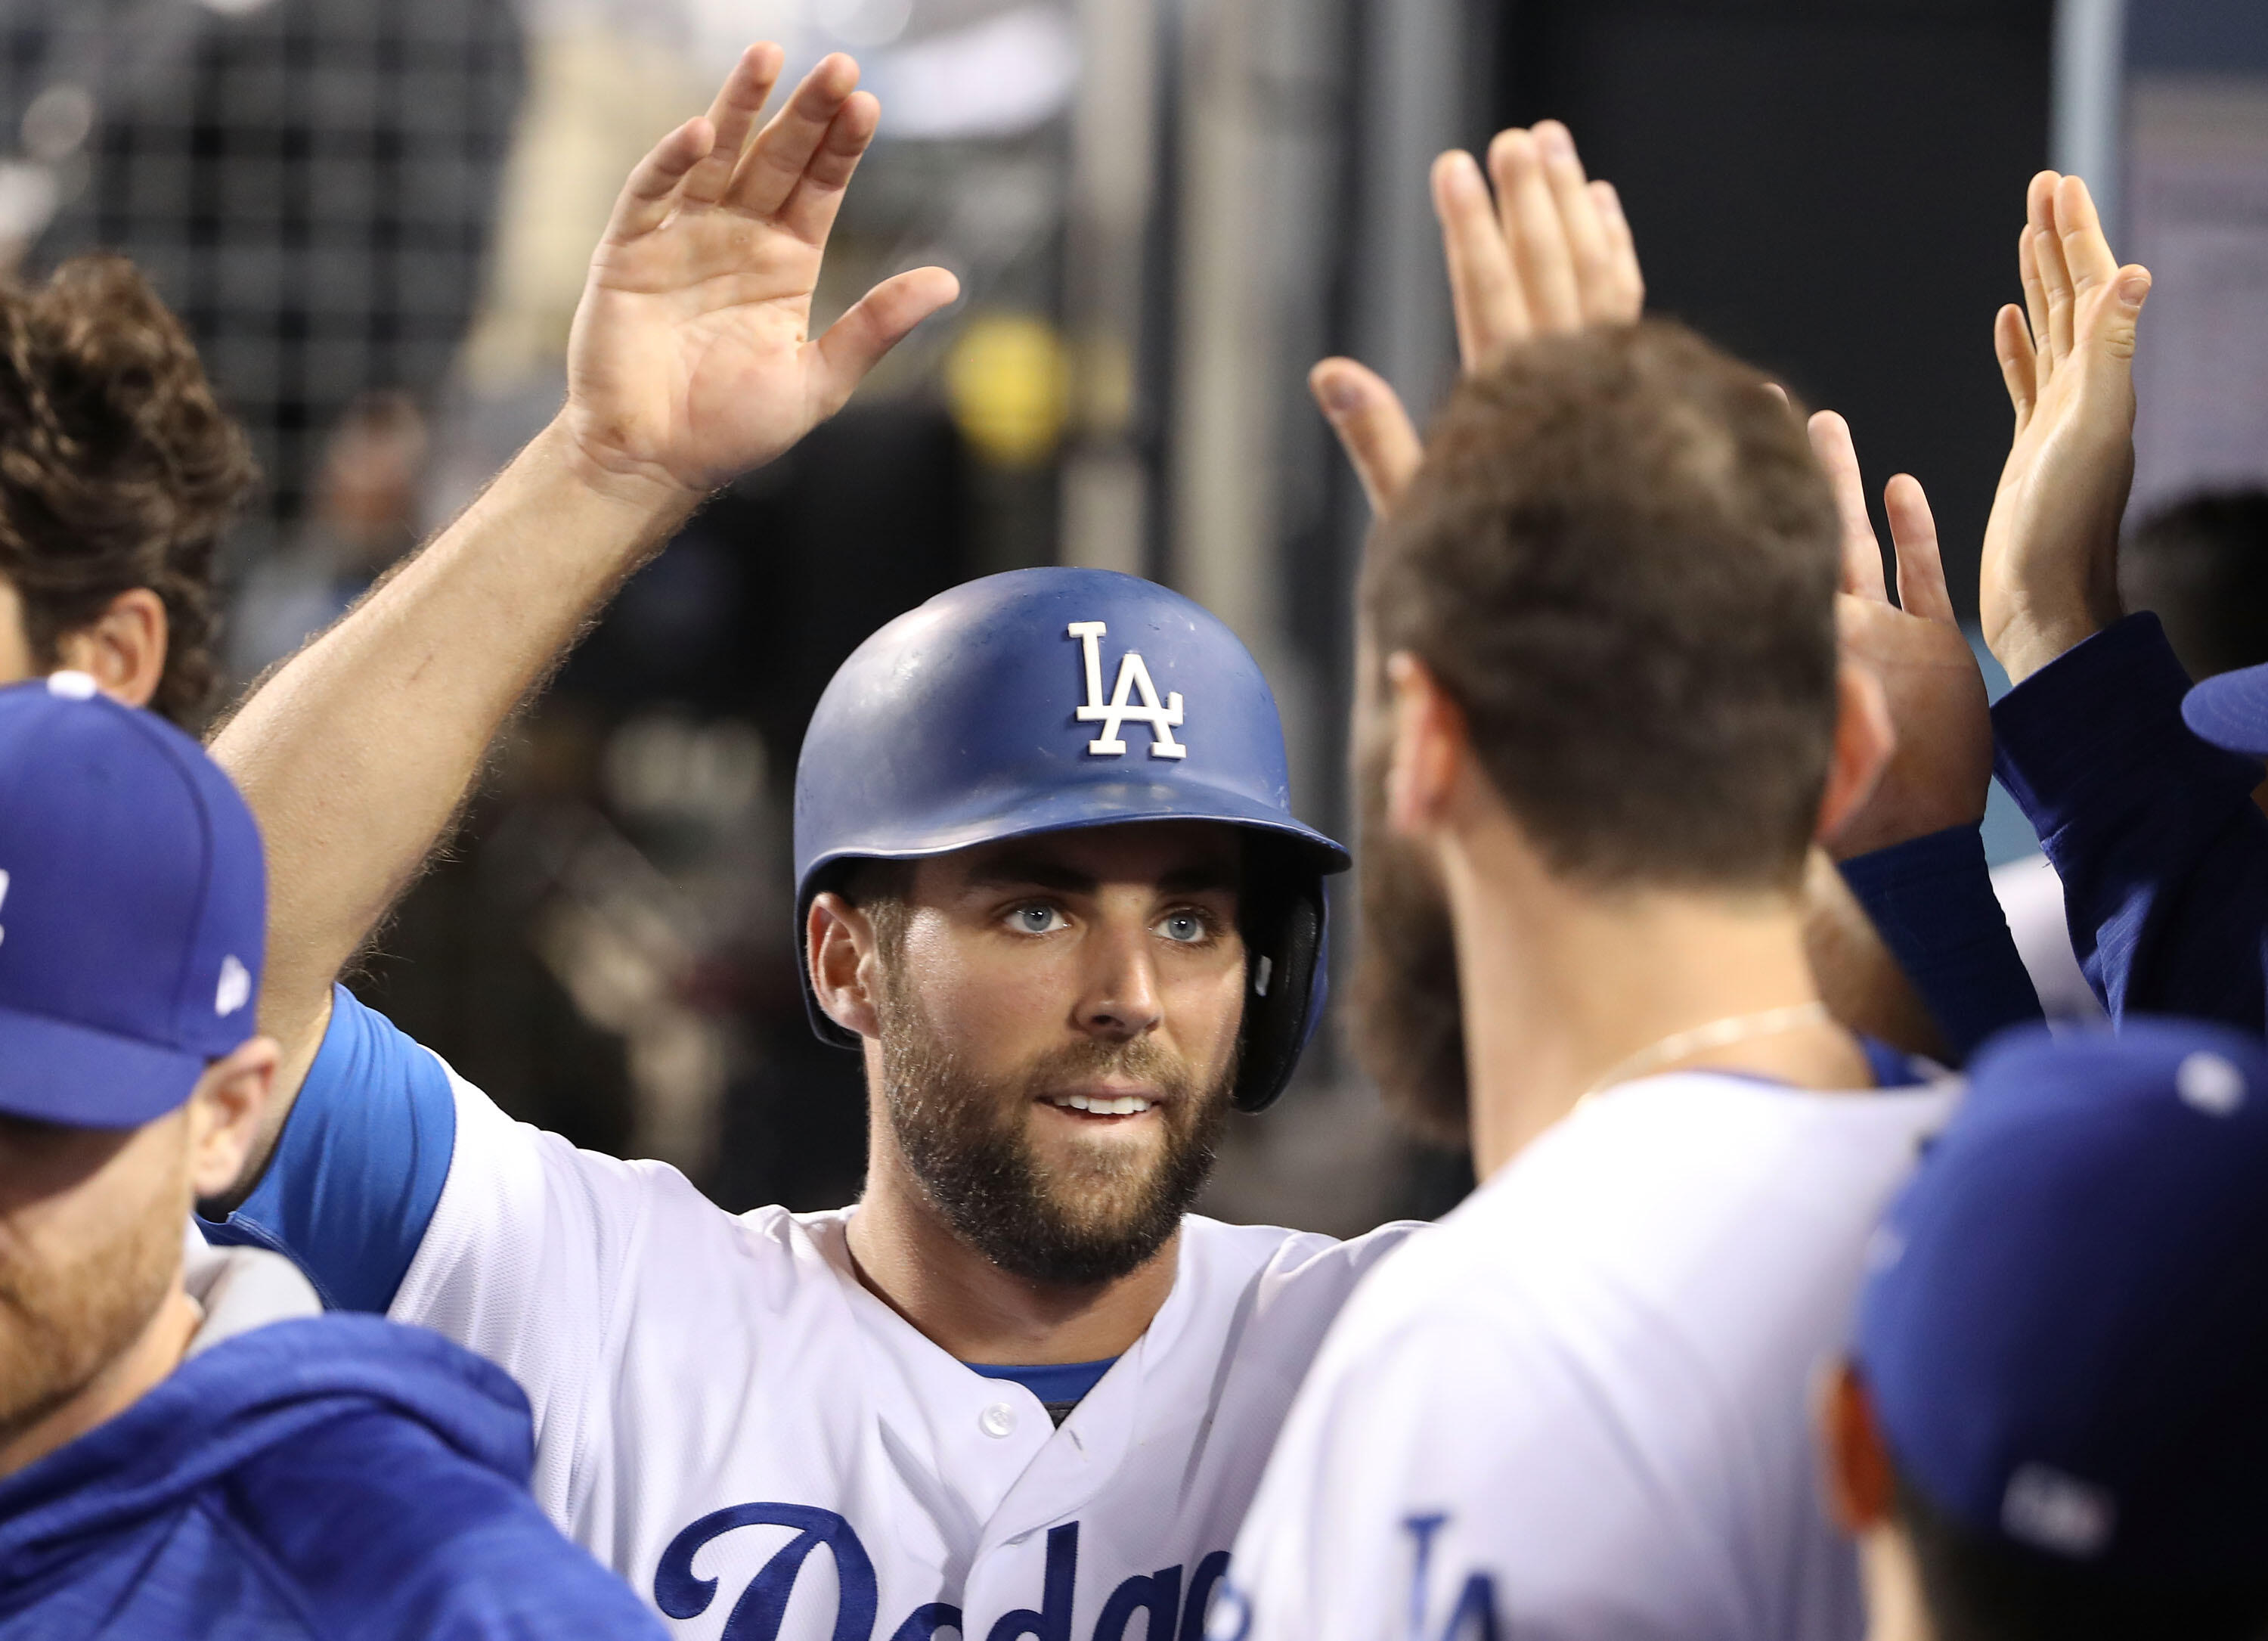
225,1113
838,938
1859,1493
1864,741
122,650
1430,748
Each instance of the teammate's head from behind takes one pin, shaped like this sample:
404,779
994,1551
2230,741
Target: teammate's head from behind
118,472
132,900
1600,624
2202,565
1051,886
2054,1421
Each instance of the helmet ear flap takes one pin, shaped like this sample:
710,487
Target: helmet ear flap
1287,949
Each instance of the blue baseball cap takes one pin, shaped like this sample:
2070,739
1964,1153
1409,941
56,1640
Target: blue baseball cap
2065,1332
133,909
2231,711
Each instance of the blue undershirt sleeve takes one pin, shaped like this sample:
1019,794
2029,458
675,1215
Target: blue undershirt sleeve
1931,900
360,1165
2162,855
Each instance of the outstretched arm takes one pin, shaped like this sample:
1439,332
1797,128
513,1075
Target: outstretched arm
689,363
1913,854
2162,855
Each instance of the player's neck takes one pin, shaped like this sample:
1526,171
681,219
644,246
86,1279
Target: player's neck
122,1381
910,1258
1562,984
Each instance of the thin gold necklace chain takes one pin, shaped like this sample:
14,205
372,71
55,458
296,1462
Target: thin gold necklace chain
1738,1028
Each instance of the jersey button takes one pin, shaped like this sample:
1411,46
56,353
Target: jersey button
1000,1419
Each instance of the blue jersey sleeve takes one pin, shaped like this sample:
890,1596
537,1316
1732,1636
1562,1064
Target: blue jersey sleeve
2163,857
360,1166
1931,900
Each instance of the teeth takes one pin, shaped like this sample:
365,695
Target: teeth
1124,1106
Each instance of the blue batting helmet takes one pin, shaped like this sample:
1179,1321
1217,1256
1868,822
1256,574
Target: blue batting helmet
1045,700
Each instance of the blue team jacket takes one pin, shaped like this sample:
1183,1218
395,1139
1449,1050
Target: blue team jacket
335,1477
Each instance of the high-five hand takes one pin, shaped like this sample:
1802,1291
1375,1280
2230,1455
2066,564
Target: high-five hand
2051,570
1943,762
691,359
1551,253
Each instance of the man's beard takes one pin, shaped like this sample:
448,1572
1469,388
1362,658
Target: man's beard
62,1324
1406,1019
1100,1218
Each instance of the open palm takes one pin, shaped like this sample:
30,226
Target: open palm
691,359
1941,761
2050,565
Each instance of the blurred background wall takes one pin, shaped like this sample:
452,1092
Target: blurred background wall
375,217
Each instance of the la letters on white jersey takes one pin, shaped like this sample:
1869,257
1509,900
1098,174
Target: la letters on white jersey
768,1453
1578,1409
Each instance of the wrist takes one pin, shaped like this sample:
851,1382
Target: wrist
647,492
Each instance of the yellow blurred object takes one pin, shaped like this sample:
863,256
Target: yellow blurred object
1007,381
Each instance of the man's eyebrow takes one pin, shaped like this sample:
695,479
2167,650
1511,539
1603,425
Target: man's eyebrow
1210,877
1037,871
1031,871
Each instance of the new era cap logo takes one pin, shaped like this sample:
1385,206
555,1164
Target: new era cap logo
235,988
1133,683
2049,1510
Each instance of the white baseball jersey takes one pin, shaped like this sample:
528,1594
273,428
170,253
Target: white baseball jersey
1579,1408
763,1448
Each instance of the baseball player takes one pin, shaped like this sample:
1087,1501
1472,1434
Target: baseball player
2052,1421
189,1451
1050,889
1602,722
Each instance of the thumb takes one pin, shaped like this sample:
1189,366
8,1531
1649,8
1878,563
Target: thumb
856,343
1375,431
2120,315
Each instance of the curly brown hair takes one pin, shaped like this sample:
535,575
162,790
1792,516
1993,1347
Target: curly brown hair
118,467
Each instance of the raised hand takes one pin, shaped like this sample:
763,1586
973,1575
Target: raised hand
2050,569
691,359
1943,762
1549,254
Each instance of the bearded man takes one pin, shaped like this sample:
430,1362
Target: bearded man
1048,886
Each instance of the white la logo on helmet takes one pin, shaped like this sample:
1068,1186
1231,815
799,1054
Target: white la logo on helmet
1133,681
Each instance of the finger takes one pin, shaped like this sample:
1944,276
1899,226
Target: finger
732,116
651,194
1579,220
2079,232
1780,394
881,319
1913,535
2055,274
1483,291
2012,345
2036,311
1532,227
1372,426
775,161
1862,554
1627,282
808,212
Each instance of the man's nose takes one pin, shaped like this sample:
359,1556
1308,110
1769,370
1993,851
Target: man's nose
1120,1002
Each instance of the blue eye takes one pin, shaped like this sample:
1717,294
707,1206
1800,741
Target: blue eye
1185,927
1038,920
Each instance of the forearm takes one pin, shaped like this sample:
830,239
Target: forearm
356,755
1931,900
2163,858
